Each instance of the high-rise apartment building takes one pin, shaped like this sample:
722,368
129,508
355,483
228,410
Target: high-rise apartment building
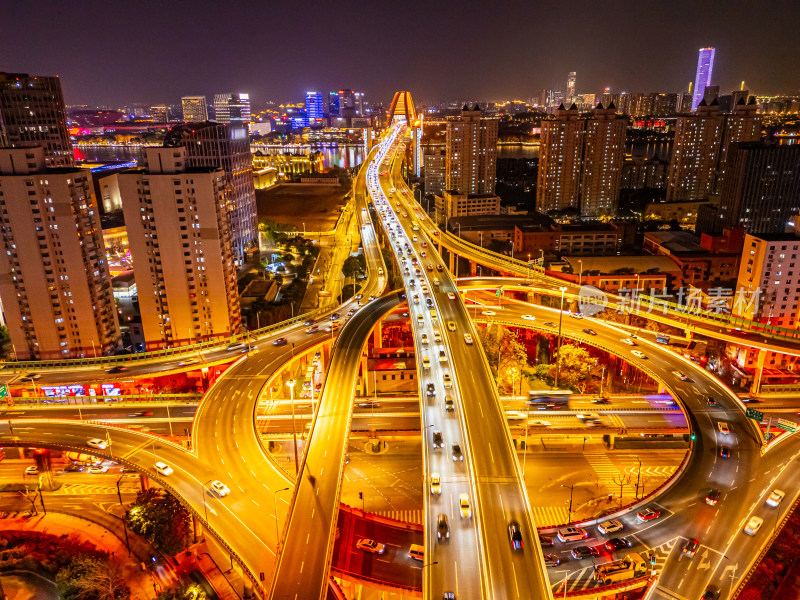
347,103
314,107
761,191
160,113
180,240
580,161
435,170
471,153
571,87
232,108
54,279
194,108
705,66
32,114
227,147
699,149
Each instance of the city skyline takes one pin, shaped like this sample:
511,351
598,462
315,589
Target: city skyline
605,51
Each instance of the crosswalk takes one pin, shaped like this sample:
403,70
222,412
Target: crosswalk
602,465
85,489
550,515
663,472
407,516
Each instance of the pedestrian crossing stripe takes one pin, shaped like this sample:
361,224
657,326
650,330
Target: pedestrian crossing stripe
406,516
602,465
664,471
545,516
82,489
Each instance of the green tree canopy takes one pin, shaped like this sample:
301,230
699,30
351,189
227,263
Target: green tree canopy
159,517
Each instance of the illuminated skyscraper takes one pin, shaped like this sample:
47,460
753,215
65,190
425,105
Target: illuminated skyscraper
194,108
471,153
705,65
314,107
32,114
571,87
232,108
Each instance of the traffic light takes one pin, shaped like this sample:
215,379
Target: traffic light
360,495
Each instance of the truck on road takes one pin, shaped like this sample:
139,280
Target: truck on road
630,567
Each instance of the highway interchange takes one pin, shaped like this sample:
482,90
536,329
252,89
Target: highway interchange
744,478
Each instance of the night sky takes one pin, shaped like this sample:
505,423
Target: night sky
155,51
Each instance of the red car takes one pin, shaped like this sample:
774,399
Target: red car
648,514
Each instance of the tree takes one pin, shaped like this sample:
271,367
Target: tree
91,578
575,368
189,592
159,517
506,355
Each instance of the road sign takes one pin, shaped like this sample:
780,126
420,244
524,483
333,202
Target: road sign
3,391
754,414
789,426
498,292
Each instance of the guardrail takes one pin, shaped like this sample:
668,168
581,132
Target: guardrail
55,401
630,584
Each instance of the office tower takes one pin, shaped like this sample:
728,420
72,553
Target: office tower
742,125
32,114
471,153
761,191
194,109
160,113
603,155
225,146
333,104
55,286
435,170
347,103
705,65
180,241
314,109
684,103
232,108
359,103
580,161
571,87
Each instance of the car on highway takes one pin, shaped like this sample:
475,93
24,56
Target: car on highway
438,441
551,560
580,552
97,469
612,526
639,354
32,470
457,455
442,356
448,382
690,547
464,506
724,452
681,376
437,336
712,497
515,535
424,244
488,313
549,324
753,525
335,316
370,546
141,413
280,342
31,376
545,541
648,514
448,404
451,326
711,401
420,319
712,593
442,528
96,443
416,299
628,341
436,281
588,331
239,346
426,362
723,428
615,543
119,369
436,483
423,338
430,389
312,329
572,534
529,317
451,296
576,315
775,497
220,488
439,268
163,468
468,339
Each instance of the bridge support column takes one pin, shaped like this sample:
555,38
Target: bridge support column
195,528
755,389
144,482
452,262
473,270
377,335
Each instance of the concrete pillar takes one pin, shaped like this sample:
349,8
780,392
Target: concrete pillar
144,482
377,335
195,528
451,263
473,271
755,389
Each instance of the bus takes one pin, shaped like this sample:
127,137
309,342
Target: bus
549,399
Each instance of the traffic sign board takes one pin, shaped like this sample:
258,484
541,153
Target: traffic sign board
3,391
786,425
754,414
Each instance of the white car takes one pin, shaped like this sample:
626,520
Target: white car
424,338
163,468
628,341
638,354
463,503
753,525
775,497
32,470
96,443
529,317
97,469
610,526
220,488
681,376
436,483
451,295
370,546
468,339
488,313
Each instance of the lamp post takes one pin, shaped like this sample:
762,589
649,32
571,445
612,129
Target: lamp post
290,384
277,533
205,507
558,348
571,489
580,271
638,474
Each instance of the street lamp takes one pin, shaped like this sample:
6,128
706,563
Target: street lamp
558,348
580,271
571,489
277,533
290,384
638,474
205,507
